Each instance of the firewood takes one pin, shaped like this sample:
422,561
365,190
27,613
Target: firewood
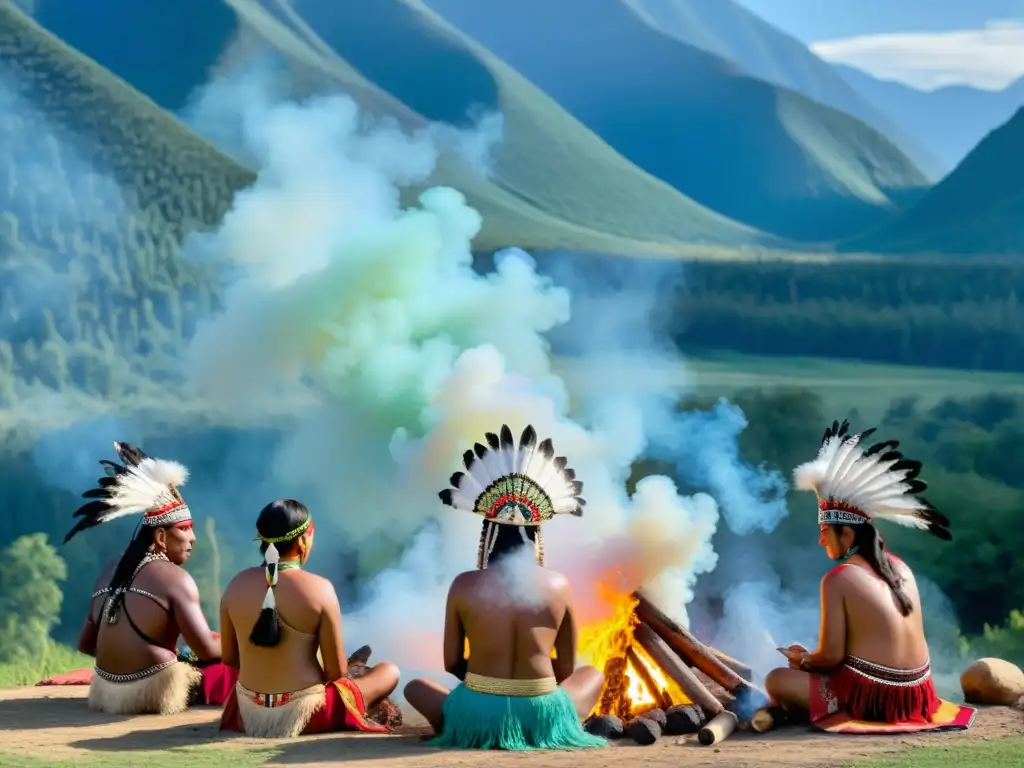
683,719
735,665
749,697
718,729
643,731
657,715
606,726
762,721
647,679
674,667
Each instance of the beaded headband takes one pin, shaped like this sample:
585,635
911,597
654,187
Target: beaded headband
288,536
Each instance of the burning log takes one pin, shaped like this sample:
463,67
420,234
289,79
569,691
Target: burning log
735,665
748,696
673,666
644,731
718,729
661,699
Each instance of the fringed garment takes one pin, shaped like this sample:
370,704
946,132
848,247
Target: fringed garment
492,713
871,692
163,689
337,706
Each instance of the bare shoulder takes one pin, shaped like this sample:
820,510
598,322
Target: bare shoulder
240,578
318,588
558,582
464,583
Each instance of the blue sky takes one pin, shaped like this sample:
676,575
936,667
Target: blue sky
923,43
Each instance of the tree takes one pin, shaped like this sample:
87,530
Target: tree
30,596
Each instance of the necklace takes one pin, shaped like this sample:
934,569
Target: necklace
287,565
849,553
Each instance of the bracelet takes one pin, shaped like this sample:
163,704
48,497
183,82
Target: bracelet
803,661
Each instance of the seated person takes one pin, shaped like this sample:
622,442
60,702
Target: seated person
143,602
513,612
282,690
872,660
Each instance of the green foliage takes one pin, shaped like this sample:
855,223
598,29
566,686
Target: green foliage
999,753
1003,642
30,596
52,659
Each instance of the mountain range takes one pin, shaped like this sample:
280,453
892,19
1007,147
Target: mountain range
668,128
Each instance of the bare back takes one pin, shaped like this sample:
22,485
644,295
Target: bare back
876,630
302,601
120,648
511,635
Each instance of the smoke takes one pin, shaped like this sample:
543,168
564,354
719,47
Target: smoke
372,315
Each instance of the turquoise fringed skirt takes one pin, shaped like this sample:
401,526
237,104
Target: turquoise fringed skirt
475,720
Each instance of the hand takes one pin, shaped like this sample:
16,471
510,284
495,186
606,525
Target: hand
796,654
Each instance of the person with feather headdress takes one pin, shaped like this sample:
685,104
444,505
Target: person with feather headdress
512,611
871,671
144,601
294,678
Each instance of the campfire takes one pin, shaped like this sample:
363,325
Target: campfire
659,679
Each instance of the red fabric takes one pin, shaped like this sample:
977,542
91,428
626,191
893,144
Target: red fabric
343,710
78,677
863,699
218,683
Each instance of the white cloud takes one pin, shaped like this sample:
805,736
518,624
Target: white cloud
991,57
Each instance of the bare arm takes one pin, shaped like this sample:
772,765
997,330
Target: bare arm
332,643
228,639
832,642
564,663
88,635
455,661
188,613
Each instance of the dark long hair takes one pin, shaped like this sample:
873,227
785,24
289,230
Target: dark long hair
122,578
871,547
508,539
278,518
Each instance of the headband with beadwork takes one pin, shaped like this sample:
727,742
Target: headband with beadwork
288,536
139,485
855,485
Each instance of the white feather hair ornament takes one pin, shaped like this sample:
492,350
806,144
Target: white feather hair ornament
523,485
855,485
140,485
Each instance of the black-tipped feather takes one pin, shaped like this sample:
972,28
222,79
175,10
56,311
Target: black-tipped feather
467,459
479,450
546,448
446,496
506,438
92,509
493,441
529,437
456,478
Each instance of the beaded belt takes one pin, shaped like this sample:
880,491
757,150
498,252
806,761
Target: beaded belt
503,687
140,675
271,700
876,673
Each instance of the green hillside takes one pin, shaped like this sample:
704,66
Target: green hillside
975,210
753,151
548,160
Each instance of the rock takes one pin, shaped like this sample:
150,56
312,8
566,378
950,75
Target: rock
992,681
657,715
643,731
683,719
606,726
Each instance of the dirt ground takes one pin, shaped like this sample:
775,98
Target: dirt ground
55,723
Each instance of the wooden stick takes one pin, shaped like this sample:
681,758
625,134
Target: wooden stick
688,647
718,729
660,699
675,668
762,721
735,665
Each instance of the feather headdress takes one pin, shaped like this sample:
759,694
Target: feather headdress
855,485
523,485
139,485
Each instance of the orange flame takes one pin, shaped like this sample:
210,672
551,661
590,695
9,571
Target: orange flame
607,646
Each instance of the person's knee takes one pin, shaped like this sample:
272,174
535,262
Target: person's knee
413,692
389,674
774,683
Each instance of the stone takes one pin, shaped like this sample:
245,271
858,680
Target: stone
683,719
643,731
605,726
992,681
657,715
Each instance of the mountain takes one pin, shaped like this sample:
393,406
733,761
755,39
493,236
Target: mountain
975,210
756,152
557,186
730,31
949,120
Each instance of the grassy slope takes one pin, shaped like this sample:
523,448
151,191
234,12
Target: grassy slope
754,151
842,385
976,209
547,161
728,30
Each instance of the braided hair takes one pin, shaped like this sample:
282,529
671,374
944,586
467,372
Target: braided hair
277,520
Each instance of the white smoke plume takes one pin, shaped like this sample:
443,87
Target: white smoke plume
373,316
